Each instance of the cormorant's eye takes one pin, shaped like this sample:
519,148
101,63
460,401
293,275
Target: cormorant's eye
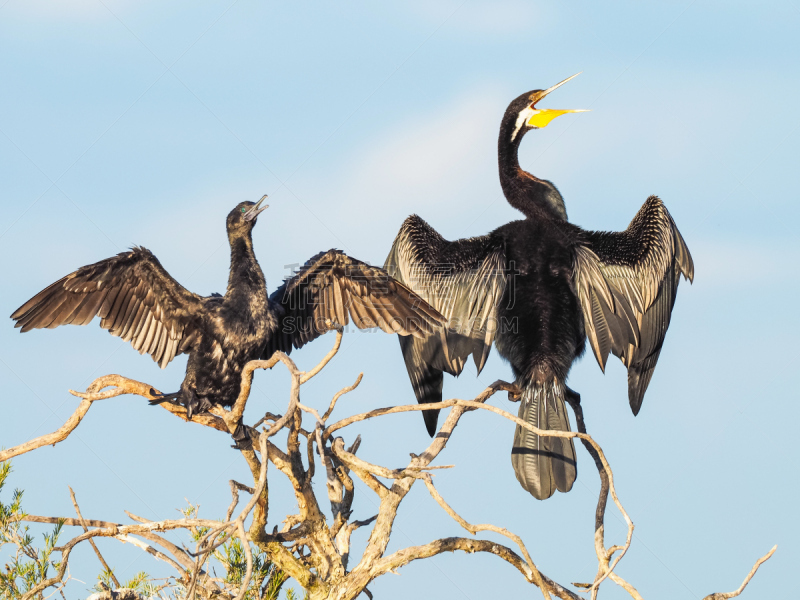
244,209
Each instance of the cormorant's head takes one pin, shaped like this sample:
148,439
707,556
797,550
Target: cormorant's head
524,115
243,217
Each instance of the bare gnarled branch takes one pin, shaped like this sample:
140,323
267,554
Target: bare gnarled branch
740,589
308,548
533,575
94,546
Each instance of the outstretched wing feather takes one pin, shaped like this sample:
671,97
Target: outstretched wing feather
627,283
332,288
464,280
134,296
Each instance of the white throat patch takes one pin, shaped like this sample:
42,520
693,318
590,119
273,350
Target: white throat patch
525,114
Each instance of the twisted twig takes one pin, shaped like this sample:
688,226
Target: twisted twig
473,529
94,546
740,589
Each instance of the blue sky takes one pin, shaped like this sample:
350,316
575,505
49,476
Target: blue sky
128,123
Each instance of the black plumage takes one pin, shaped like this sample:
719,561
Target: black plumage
137,300
538,288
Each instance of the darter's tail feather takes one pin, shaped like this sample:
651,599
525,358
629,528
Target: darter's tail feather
544,464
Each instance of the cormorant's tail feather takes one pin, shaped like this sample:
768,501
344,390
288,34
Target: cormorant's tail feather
189,399
164,398
544,464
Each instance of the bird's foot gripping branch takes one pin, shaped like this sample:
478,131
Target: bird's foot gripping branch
313,545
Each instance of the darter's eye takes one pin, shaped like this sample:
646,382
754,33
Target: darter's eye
244,209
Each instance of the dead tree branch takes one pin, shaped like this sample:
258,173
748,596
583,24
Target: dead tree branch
94,546
740,589
473,529
312,547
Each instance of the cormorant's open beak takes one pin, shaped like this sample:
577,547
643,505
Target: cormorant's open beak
541,117
256,209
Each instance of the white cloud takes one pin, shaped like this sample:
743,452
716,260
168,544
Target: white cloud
440,163
435,154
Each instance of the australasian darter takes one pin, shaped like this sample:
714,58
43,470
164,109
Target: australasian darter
538,288
140,302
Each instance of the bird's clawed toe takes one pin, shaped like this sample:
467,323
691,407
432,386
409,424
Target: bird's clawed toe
515,394
196,405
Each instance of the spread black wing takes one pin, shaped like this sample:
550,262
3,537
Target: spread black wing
627,282
133,295
332,288
464,280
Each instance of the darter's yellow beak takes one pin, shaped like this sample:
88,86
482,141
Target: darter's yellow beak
541,117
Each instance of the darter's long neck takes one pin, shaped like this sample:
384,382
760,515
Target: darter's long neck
534,197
